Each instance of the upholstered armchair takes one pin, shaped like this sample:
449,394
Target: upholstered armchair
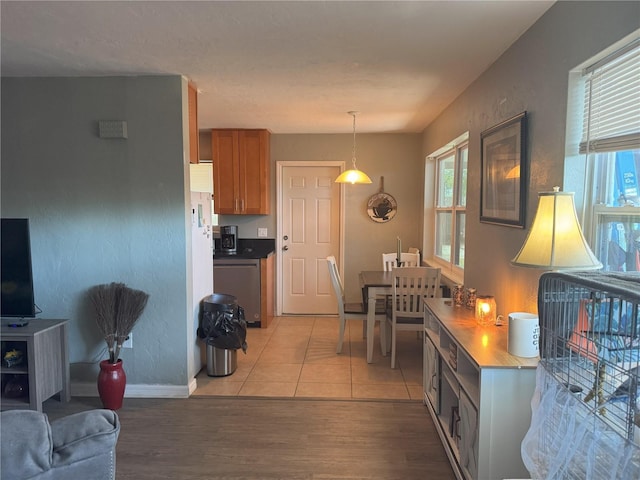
82,445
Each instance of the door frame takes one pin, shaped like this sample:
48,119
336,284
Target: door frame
279,169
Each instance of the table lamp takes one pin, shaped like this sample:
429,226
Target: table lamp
555,241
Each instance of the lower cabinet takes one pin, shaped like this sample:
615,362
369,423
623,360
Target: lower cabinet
251,281
44,367
478,395
468,436
431,371
267,290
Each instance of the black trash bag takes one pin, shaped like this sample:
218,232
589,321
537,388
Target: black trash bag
226,329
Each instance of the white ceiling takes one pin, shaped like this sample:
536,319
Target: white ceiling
291,67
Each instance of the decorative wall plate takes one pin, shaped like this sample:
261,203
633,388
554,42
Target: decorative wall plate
382,207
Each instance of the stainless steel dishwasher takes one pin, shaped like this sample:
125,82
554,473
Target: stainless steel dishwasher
240,277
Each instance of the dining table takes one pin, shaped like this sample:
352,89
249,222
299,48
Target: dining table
375,283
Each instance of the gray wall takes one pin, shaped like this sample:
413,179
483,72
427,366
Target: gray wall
104,210
532,75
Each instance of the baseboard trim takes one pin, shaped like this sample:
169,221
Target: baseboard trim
84,389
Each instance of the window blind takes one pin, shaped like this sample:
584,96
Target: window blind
612,102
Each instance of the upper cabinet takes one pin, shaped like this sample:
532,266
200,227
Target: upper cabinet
241,171
194,153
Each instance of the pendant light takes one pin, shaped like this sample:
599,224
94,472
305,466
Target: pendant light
353,175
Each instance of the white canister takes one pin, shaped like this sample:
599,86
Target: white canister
524,334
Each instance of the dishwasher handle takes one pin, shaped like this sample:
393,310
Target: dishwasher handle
237,265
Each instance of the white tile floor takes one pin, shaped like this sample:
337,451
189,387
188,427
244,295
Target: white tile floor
296,357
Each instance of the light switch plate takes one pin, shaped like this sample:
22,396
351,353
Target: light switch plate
262,232
112,129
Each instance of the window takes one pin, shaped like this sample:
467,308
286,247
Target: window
610,142
450,190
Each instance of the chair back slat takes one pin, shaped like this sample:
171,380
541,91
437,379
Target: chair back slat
389,260
410,286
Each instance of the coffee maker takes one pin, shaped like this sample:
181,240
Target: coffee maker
229,238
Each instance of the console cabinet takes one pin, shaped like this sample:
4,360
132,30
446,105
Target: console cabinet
241,171
45,365
478,395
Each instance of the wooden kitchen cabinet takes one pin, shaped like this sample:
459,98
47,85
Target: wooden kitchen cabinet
241,171
267,292
194,143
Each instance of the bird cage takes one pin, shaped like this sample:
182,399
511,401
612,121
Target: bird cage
586,409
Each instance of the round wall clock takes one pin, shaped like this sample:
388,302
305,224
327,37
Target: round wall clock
382,207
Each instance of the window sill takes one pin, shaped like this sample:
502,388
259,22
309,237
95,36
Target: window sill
447,277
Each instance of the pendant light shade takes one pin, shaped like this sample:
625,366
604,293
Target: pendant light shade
555,241
353,175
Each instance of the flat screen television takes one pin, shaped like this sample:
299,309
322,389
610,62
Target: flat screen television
15,264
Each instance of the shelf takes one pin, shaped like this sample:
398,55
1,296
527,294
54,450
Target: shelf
21,370
7,402
469,377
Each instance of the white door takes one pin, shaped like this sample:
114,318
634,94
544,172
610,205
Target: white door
309,230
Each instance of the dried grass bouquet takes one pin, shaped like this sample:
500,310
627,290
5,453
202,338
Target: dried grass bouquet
118,308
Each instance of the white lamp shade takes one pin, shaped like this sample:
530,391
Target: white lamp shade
555,240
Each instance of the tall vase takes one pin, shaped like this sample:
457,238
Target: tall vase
111,384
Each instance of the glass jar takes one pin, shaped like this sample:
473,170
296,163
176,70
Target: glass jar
470,300
458,295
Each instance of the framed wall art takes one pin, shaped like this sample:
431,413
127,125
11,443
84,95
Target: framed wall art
503,186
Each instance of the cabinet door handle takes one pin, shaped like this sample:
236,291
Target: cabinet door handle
434,377
242,205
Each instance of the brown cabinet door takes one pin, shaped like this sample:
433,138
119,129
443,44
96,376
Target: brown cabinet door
194,147
241,172
224,147
254,172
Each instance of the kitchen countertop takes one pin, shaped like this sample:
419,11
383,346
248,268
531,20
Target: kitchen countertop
249,248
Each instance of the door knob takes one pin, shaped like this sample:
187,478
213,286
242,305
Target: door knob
285,248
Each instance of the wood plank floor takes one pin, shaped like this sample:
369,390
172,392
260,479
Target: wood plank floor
272,438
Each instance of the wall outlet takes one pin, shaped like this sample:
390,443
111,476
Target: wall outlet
262,232
128,343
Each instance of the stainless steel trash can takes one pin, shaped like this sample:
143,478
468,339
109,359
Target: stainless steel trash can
221,362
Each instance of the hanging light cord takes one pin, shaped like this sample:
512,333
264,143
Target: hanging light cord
353,175
353,154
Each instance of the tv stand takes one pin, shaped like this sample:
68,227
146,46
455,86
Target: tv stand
45,367
14,322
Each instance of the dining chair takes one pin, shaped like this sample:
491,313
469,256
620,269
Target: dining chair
354,311
407,259
410,286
